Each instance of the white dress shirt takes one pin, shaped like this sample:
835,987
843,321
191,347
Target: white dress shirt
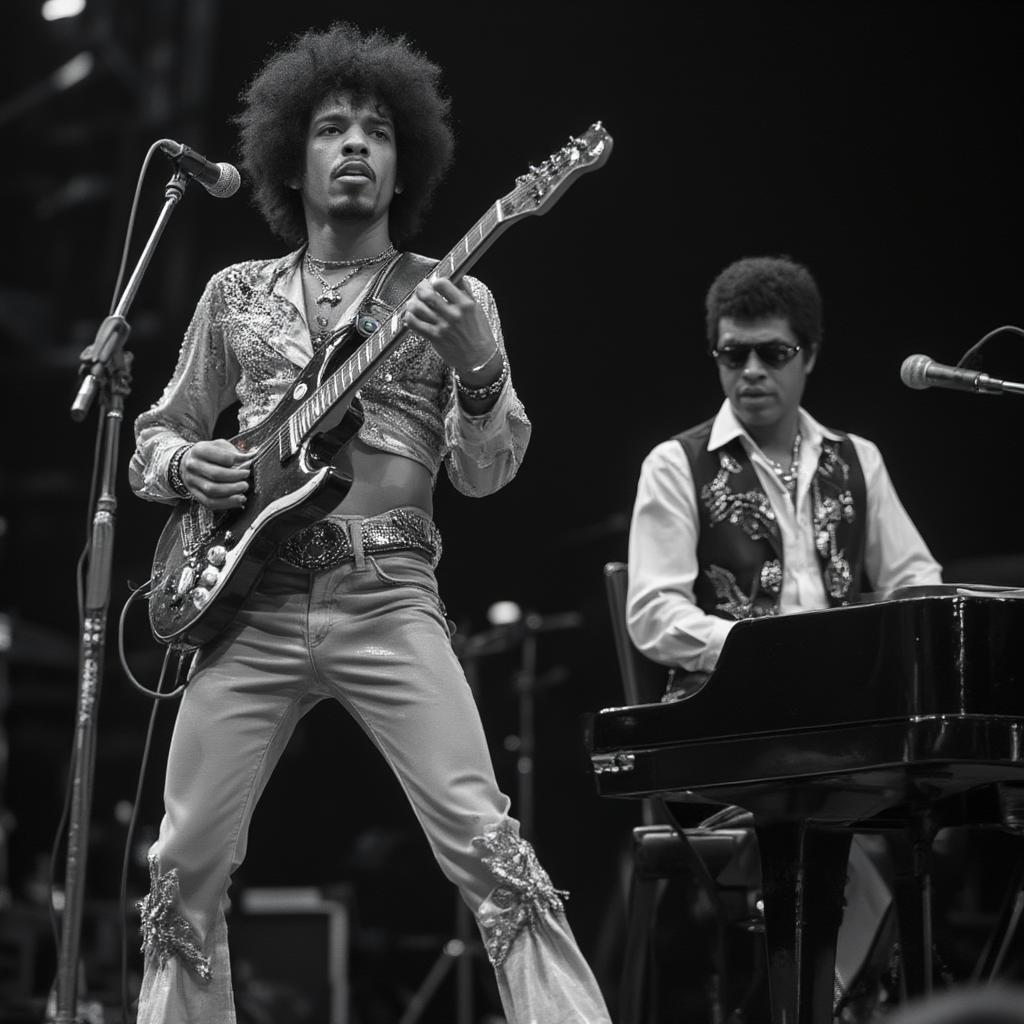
663,620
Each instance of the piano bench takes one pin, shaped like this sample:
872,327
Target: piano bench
713,860
659,850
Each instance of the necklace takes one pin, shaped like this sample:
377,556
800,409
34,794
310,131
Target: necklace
330,291
789,476
335,264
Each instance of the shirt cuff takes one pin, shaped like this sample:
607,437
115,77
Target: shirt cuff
717,634
156,483
484,436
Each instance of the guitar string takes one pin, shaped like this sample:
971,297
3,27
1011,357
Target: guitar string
283,432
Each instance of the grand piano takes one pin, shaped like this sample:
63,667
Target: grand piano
900,716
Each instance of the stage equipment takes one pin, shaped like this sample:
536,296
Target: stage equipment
920,372
105,371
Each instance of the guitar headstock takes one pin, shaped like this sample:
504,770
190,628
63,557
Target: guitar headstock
538,189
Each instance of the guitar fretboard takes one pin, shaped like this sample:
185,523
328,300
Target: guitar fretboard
360,364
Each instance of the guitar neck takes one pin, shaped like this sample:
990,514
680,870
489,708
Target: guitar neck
453,266
348,377
534,193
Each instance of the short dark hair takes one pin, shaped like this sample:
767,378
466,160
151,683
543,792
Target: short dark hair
278,104
766,286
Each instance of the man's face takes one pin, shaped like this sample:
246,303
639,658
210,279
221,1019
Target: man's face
351,160
761,394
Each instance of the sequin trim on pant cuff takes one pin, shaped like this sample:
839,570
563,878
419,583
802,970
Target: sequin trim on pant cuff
523,895
165,933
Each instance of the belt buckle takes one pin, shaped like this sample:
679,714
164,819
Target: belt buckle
321,545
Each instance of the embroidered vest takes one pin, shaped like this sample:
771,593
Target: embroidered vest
739,550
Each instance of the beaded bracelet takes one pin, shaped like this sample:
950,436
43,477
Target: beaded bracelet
485,391
174,473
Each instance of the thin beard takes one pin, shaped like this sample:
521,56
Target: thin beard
349,211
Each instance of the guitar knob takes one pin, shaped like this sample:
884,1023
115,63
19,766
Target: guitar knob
200,597
185,580
217,555
209,576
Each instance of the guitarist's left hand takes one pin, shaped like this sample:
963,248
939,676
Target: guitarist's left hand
449,318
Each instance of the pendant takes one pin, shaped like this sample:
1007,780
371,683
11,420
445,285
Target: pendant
328,296
322,322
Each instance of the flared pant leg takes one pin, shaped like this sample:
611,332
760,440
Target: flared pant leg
407,689
245,695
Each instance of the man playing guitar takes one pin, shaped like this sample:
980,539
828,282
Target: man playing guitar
344,136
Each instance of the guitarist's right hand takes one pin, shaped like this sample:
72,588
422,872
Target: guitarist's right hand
216,473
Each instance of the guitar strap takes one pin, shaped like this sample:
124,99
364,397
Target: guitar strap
393,285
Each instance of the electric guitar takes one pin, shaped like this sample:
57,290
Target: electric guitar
206,562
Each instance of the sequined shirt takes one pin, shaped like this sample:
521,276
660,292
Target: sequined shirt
247,342
663,619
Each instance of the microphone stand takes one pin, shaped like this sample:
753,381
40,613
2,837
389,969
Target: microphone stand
105,370
527,684
526,680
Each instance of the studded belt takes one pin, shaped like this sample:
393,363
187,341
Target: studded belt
329,542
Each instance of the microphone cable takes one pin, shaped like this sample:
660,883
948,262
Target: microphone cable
146,160
968,361
158,697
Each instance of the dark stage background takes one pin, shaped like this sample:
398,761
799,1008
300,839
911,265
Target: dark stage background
881,143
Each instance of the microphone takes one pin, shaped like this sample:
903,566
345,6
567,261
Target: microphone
220,180
922,372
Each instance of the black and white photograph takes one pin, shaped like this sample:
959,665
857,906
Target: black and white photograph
510,514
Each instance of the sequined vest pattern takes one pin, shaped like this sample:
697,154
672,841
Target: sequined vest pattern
739,549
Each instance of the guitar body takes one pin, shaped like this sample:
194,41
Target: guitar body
207,562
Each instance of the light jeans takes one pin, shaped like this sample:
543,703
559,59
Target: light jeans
371,634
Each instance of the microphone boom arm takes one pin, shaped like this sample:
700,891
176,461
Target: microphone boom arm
97,359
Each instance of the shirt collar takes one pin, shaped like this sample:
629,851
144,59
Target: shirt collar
728,428
286,264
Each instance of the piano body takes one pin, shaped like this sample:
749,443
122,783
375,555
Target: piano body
901,715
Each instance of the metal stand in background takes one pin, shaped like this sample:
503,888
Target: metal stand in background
105,371
465,945
528,683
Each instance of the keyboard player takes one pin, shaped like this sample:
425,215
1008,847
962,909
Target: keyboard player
762,510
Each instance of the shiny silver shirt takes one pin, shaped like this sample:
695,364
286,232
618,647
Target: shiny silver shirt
248,341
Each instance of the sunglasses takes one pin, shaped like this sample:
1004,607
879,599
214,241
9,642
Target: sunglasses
772,353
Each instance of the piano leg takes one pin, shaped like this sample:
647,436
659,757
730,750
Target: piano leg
991,960
911,854
803,876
